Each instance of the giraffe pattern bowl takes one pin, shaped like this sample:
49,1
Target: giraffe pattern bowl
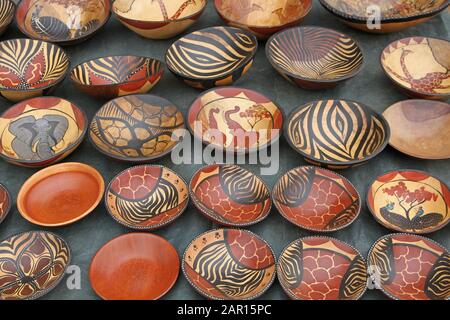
7,10
5,202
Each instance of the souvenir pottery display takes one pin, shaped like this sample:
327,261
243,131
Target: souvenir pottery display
32,264
419,66
229,264
61,194
314,57
5,202
135,266
215,56
161,19
41,131
337,134
411,267
7,10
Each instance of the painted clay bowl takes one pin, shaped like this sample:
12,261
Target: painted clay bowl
314,57
7,10
137,128
30,68
384,16
146,197
410,267
135,266
160,19
230,195
337,134
316,199
41,131
419,67
229,264
420,128
5,202
32,264
235,119
61,194
66,22
215,56
116,76
409,201
263,17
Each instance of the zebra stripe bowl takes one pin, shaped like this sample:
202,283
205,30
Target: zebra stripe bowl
7,10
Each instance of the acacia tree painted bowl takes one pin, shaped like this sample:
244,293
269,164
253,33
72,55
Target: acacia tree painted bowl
314,57
160,19
419,67
229,264
7,10
263,17
32,264
216,56
30,68
135,266
5,202
41,131
410,267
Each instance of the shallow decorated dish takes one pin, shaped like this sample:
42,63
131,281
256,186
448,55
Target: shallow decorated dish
61,194
5,202
229,264
32,264
314,57
7,10
134,266
215,56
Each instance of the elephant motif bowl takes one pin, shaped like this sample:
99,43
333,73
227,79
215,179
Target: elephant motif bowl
30,68
161,19
5,202
32,264
7,10
65,22
41,131
410,267
229,264
215,56
419,67
409,201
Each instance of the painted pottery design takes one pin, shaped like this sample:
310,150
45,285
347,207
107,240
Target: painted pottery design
316,199
146,197
215,56
337,133
419,66
230,195
136,128
235,119
31,264
229,264
410,267
5,202
409,201
322,268
420,128
313,57
41,131
7,9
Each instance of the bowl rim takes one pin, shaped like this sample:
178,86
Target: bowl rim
10,204
11,15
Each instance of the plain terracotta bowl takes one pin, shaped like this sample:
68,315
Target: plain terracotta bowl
7,10
5,202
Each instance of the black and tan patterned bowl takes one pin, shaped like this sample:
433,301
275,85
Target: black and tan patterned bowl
7,10
5,202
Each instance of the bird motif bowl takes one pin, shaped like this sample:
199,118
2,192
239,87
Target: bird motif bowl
7,10
5,202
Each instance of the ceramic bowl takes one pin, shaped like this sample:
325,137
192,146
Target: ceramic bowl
420,128
7,10
336,134
394,15
32,264
135,266
66,22
230,195
146,197
5,202
410,267
419,67
215,56
322,268
235,119
30,68
137,128
263,17
314,57
316,199
61,194
161,19
229,264
409,201
41,131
